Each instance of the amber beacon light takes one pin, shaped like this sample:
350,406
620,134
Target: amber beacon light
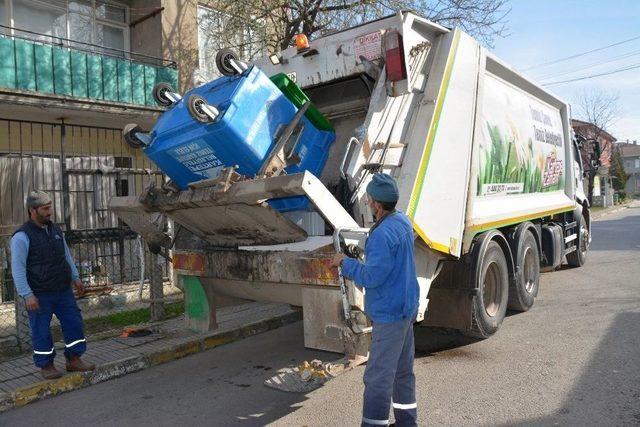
302,42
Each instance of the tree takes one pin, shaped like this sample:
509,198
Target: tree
616,170
273,24
600,110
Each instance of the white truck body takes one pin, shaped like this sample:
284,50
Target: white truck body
476,148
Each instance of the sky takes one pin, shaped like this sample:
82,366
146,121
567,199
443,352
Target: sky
542,31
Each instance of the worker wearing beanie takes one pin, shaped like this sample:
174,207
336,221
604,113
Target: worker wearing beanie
43,272
388,276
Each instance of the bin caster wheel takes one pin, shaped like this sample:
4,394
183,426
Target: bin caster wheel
194,105
223,62
160,94
129,134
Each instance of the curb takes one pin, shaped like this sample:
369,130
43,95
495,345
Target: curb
610,211
77,380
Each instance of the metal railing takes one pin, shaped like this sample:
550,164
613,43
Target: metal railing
86,47
83,70
81,167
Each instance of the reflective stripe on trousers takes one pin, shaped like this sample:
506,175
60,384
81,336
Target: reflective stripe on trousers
44,352
389,376
63,305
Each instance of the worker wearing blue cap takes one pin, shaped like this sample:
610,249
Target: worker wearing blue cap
388,276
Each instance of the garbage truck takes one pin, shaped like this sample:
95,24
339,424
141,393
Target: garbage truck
486,163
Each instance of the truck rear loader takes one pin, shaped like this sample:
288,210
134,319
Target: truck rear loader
485,161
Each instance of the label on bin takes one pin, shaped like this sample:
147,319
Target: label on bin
198,157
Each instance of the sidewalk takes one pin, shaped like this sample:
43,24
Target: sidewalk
21,383
613,209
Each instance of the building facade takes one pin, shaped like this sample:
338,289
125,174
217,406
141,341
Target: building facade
600,191
69,82
73,73
631,160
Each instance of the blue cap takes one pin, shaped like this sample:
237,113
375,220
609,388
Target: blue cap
383,188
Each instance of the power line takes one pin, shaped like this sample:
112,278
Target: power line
590,65
594,75
555,61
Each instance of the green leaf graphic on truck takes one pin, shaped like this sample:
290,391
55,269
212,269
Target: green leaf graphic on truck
509,165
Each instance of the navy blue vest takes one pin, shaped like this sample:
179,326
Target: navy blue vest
47,267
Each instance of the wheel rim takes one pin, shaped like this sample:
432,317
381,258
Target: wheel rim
226,61
529,270
491,290
583,239
198,107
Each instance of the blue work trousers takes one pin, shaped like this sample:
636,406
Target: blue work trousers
388,378
63,305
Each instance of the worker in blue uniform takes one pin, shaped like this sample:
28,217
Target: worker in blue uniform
43,272
388,276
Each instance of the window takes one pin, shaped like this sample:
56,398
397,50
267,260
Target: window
218,30
111,12
110,25
86,21
80,28
637,163
48,18
3,15
110,37
122,181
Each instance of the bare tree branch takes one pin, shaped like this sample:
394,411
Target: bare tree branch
278,21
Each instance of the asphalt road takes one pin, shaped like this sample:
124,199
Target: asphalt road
574,359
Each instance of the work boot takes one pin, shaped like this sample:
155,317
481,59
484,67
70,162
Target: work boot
75,364
49,372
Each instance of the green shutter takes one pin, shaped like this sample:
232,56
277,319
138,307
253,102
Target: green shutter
110,76
79,74
124,81
168,75
94,67
7,63
137,83
44,68
62,71
149,84
26,67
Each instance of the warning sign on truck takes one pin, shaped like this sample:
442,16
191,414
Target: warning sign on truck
369,46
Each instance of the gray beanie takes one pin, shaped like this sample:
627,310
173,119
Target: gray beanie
35,199
383,188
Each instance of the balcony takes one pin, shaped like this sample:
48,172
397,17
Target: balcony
80,70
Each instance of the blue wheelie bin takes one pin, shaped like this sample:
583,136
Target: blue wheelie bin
252,112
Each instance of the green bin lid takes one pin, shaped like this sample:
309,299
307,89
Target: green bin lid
298,98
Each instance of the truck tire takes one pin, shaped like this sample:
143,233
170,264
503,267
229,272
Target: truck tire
524,288
490,303
578,257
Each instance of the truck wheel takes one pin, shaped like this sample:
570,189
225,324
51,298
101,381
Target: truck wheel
223,63
159,94
490,304
194,105
578,257
527,279
129,135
